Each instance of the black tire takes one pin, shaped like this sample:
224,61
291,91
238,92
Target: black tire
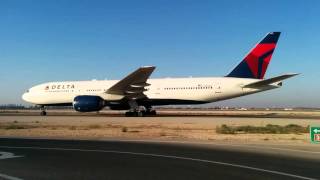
135,114
140,113
128,114
153,112
43,113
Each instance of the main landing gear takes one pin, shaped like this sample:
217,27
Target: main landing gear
151,112
43,111
139,111
134,114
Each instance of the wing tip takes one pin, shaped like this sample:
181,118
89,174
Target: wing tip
148,66
292,74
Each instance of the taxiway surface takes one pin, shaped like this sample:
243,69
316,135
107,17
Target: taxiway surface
80,159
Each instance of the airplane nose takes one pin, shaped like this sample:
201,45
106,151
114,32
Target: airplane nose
29,97
25,97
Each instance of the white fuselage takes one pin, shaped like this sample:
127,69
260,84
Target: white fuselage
200,90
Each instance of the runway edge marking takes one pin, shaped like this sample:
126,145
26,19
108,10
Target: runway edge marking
4,176
7,155
164,156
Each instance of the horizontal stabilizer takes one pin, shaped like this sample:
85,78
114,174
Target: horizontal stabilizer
270,81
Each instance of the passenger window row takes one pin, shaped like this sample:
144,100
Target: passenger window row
183,88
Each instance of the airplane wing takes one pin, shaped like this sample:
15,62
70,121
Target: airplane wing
134,84
270,81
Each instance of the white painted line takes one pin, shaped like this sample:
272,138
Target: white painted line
4,176
255,147
218,144
7,155
283,149
167,156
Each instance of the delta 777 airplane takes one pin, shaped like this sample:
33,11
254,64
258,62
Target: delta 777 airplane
137,93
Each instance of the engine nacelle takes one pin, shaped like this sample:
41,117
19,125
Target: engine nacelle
88,103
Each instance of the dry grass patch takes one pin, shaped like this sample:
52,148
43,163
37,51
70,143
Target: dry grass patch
72,128
94,126
162,134
268,129
124,129
15,126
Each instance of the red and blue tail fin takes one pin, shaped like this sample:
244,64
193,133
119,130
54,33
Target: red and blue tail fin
255,64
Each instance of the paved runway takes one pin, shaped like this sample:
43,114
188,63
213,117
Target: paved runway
67,159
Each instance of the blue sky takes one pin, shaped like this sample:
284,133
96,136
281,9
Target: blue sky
80,40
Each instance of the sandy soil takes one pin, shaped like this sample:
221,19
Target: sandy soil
159,128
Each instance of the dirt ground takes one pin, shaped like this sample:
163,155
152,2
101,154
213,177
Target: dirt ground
159,128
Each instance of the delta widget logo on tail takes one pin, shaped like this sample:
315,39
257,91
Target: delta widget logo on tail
255,64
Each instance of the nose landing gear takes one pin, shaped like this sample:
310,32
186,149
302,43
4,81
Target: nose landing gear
43,111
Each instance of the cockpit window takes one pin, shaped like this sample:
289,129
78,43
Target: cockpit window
27,90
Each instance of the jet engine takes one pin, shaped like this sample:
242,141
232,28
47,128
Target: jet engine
88,103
